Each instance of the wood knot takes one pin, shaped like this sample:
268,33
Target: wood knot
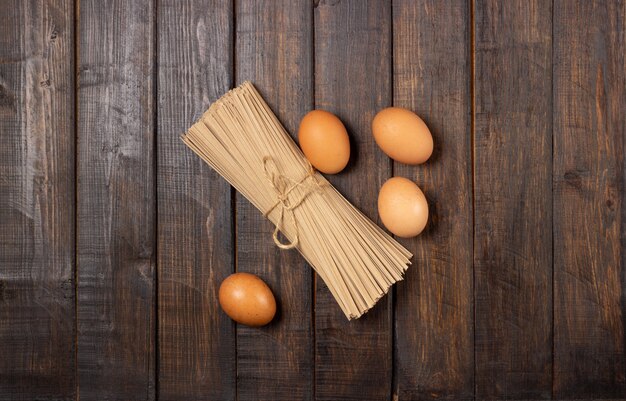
575,177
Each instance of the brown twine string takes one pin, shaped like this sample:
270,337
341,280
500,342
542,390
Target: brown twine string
279,182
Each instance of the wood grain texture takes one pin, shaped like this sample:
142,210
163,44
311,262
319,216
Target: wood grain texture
589,209
513,199
434,344
195,233
37,351
116,200
353,80
549,91
273,50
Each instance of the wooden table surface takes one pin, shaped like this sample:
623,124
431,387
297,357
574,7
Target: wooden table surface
114,237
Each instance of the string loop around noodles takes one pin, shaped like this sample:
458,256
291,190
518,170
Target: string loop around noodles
283,186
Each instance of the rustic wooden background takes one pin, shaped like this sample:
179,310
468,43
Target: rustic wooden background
114,237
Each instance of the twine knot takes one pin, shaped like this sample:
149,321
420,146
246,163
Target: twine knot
283,186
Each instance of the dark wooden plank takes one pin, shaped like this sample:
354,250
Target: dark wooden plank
116,200
434,344
195,233
513,199
37,315
274,51
353,80
589,211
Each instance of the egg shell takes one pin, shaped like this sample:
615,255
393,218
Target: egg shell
402,207
246,299
324,141
402,135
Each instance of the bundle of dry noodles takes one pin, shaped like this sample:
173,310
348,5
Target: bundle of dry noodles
240,137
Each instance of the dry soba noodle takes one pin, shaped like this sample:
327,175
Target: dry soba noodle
240,137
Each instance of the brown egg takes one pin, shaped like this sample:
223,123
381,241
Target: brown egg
402,135
247,299
324,141
402,207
